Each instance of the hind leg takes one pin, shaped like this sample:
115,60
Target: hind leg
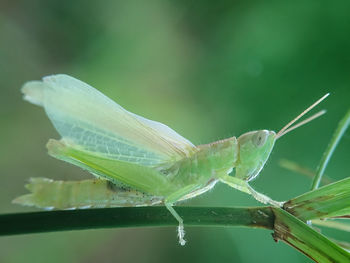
50,194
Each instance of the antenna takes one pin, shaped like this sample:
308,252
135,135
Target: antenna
288,127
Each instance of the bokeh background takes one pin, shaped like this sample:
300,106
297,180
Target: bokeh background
209,70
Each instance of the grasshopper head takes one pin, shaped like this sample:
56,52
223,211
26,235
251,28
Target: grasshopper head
254,150
255,147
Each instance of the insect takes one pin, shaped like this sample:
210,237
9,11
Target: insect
137,162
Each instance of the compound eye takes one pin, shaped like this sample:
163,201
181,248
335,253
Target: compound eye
260,138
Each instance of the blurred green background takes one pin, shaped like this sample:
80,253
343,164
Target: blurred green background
209,70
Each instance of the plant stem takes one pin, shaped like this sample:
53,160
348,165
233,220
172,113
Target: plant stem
342,126
286,227
37,222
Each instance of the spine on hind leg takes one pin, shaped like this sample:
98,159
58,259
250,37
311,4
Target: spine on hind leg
50,194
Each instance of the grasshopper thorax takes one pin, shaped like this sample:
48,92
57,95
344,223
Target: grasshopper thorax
254,150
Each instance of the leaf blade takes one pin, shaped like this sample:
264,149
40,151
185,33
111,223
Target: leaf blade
296,233
328,201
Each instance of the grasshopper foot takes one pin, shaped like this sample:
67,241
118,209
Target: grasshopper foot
181,234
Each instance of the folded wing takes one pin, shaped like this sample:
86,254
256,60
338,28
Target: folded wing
92,122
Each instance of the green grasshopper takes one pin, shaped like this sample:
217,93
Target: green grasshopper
137,162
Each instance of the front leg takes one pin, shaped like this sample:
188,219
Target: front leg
243,186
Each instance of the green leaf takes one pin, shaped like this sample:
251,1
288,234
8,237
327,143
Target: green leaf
339,132
340,224
313,244
328,201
